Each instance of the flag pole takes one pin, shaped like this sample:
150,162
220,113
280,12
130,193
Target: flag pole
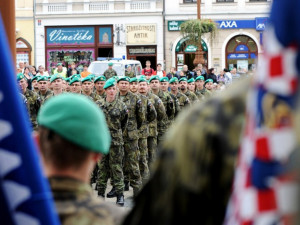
198,9
7,9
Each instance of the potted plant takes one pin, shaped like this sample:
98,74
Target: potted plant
192,30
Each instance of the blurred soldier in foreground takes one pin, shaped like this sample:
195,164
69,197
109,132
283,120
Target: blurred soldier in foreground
193,174
70,152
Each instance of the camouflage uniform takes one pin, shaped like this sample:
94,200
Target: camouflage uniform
33,106
129,74
95,97
42,97
152,137
192,96
103,95
136,118
143,135
182,99
76,205
109,73
200,96
116,115
177,107
196,165
203,92
163,125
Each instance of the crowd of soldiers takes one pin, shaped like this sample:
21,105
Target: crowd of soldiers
138,112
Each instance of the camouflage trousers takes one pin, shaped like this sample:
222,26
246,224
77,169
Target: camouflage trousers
152,150
94,174
143,162
131,165
112,165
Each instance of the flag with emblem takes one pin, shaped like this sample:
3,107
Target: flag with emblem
265,186
25,196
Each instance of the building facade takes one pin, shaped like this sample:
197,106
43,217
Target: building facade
238,41
82,31
25,31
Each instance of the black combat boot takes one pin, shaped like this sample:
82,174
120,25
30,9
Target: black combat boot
126,186
112,193
120,200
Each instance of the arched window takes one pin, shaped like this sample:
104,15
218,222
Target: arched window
241,53
23,51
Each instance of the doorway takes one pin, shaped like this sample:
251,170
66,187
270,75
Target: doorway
143,60
189,60
105,52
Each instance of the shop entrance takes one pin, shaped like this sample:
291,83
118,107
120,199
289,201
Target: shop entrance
105,52
143,53
185,54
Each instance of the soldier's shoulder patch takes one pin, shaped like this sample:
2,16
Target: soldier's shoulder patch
159,101
139,102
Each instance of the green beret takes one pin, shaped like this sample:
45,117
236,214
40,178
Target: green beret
199,78
59,64
100,78
62,115
209,80
67,79
142,79
143,76
191,80
134,79
92,76
182,79
173,80
42,78
116,78
110,64
20,76
109,83
154,78
164,79
76,75
123,79
35,78
86,79
75,79
54,77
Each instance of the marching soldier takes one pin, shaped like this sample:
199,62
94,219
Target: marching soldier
87,88
57,86
208,84
99,83
110,72
136,118
43,85
34,84
201,92
164,85
75,85
33,100
169,106
133,85
116,114
182,98
161,115
184,90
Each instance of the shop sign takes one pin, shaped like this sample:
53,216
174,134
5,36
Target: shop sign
191,48
236,24
141,50
70,35
238,56
174,25
177,48
261,23
141,34
242,48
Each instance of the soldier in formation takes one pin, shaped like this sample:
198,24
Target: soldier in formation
110,72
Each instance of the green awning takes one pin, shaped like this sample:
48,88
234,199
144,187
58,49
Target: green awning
190,48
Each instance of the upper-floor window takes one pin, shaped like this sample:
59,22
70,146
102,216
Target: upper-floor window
225,0
189,1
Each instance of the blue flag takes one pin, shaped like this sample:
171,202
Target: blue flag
25,196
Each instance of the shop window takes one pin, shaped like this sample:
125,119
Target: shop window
241,53
23,51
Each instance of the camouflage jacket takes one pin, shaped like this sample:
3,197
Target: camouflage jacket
150,116
116,115
177,106
161,114
76,204
103,95
109,73
43,97
182,99
33,106
95,97
195,165
129,74
192,96
203,92
136,115
200,96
